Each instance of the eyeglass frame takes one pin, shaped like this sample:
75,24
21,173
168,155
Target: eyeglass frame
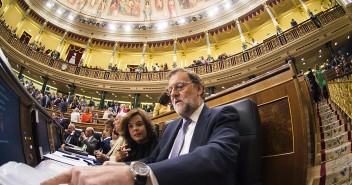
178,89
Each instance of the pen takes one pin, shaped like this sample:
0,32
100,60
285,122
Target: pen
71,157
89,164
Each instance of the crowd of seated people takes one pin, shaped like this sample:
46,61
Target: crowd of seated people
78,109
341,61
38,47
81,110
113,68
55,55
129,137
202,61
115,143
8,27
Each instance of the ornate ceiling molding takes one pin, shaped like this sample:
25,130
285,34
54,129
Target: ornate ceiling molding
198,22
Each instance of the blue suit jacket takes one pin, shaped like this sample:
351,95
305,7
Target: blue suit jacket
212,157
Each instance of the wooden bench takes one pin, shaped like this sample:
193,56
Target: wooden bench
97,127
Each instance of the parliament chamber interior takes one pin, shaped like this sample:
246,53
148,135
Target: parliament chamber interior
284,64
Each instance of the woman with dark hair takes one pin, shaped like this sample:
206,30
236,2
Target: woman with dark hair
140,136
163,106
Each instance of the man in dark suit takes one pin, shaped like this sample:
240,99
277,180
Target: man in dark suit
201,147
45,101
63,121
87,141
71,136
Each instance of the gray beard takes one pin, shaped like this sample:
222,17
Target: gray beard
186,110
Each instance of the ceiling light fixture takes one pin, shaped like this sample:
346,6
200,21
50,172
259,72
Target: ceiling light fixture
182,21
49,4
59,11
127,27
112,27
227,5
71,17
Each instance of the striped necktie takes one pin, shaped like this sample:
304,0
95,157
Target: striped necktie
176,149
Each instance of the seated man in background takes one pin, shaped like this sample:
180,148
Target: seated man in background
71,136
106,136
116,142
63,121
111,117
87,141
200,148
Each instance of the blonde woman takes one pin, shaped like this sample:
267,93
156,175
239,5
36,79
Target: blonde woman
75,116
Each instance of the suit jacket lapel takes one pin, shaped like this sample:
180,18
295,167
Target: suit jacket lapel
174,128
201,126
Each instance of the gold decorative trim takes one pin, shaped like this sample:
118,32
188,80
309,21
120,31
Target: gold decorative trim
269,156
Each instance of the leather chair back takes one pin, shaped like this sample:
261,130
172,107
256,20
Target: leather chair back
249,161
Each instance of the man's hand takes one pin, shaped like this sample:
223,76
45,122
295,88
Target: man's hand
100,156
83,136
107,175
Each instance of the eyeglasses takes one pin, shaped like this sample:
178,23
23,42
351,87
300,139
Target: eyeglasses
177,87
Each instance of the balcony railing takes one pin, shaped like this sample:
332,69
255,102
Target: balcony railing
268,46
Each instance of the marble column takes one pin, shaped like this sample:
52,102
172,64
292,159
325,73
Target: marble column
45,82
136,99
102,99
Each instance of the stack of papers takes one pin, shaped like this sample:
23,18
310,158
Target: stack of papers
71,159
